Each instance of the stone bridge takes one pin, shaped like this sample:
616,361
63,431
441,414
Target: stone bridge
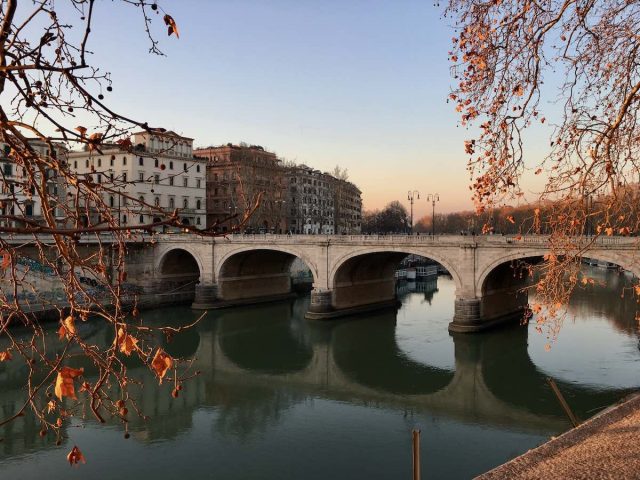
355,273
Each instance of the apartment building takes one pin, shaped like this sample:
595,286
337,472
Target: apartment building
159,169
240,179
20,199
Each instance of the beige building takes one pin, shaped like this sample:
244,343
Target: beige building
159,170
17,198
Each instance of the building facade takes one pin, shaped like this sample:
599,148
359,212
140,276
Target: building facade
159,170
310,201
348,208
18,198
243,179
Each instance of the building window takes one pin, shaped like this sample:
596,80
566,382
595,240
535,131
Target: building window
156,162
124,219
198,168
124,160
185,182
171,181
141,176
113,159
185,203
99,162
141,161
7,169
75,164
184,167
141,198
141,219
28,211
111,177
198,204
124,176
86,163
172,203
198,183
111,201
156,201
197,220
170,165
156,178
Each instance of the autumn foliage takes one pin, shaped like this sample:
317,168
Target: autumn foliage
566,70
48,81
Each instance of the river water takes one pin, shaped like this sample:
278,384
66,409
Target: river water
281,397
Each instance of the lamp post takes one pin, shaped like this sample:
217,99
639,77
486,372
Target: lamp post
588,209
279,206
433,198
411,196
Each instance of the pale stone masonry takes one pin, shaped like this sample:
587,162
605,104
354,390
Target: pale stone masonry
159,170
355,273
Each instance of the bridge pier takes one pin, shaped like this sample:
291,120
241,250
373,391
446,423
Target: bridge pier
206,296
466,316
494,309
325,305
320,304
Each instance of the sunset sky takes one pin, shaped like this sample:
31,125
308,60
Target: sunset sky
360,84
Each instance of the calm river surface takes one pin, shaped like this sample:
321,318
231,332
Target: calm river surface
280,397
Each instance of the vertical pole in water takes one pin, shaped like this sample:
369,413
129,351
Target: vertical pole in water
416,454
563,402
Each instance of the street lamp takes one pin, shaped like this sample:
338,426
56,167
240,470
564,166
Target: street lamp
279,207
433,198
411,196
588,209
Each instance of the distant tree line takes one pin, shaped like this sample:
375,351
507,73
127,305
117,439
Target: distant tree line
540,218
391,219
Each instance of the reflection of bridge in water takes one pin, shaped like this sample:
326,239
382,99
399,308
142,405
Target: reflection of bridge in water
256,363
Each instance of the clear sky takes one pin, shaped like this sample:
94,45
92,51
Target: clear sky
360,84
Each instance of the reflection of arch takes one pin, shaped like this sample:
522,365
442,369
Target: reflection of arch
376,361
507,370
277,350
182,345
398,253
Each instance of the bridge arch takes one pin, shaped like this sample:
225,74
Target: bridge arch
179,269
403,252
292,254
365,276
627,262
248,272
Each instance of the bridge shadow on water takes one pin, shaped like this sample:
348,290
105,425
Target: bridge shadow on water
259,362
